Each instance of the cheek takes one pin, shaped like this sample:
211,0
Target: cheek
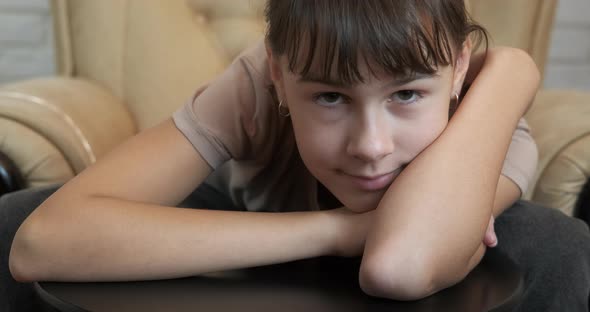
315,142
422,133
319,145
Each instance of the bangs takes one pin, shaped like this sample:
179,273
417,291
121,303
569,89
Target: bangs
329,39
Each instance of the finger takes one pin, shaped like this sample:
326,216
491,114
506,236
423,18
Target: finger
490,239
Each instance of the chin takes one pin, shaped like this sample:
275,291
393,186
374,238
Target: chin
362,202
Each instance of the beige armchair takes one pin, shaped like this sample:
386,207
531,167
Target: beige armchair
125,65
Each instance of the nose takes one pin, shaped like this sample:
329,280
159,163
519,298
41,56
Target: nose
371,139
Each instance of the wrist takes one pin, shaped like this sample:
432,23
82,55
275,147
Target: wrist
332,224
346,232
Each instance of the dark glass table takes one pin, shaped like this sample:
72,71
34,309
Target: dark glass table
319,284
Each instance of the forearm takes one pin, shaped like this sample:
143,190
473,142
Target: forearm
430,223
507,193
110,239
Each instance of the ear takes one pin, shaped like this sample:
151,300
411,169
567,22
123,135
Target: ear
461,66
276,75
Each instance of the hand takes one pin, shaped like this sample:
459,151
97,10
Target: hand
351,231
490,239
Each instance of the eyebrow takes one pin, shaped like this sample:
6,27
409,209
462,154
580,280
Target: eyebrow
398,81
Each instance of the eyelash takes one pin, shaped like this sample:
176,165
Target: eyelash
417,94
316,98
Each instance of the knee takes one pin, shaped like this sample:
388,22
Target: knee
571,243
544,234
567,236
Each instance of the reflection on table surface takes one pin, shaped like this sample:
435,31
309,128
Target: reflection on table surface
319,284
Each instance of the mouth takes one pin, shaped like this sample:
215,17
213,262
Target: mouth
373,183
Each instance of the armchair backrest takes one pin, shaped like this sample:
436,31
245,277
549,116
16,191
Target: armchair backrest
524,24
154,53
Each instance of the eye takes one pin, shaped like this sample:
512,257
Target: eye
405,97
329,99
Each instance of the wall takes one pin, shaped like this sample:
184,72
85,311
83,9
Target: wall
569,57
26,47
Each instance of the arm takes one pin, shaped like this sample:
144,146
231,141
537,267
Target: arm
110,222
518,171
421,246
507,193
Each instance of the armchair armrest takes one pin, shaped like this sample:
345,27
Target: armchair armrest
53,128
559,121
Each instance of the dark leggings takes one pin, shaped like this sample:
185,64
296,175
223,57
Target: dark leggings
552,250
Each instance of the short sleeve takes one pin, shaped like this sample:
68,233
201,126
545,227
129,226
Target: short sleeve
522,157
219,120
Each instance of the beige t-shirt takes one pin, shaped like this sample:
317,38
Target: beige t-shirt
234,123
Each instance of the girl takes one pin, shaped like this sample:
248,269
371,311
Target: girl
339,120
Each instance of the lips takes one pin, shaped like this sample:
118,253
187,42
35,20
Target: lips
373,182
370,177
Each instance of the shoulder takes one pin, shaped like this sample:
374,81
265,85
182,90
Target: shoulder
256,93
253,64
236,111
242,89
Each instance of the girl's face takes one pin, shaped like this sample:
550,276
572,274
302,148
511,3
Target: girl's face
356,139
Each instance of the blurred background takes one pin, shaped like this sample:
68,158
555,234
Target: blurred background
26,43
569,55
26,39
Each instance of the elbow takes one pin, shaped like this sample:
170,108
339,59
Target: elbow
19,272
410,277
520,56
521,63
398,280
22,262
530,64
521,60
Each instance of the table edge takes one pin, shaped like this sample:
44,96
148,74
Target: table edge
55,301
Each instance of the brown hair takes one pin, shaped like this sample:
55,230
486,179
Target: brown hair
396,36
